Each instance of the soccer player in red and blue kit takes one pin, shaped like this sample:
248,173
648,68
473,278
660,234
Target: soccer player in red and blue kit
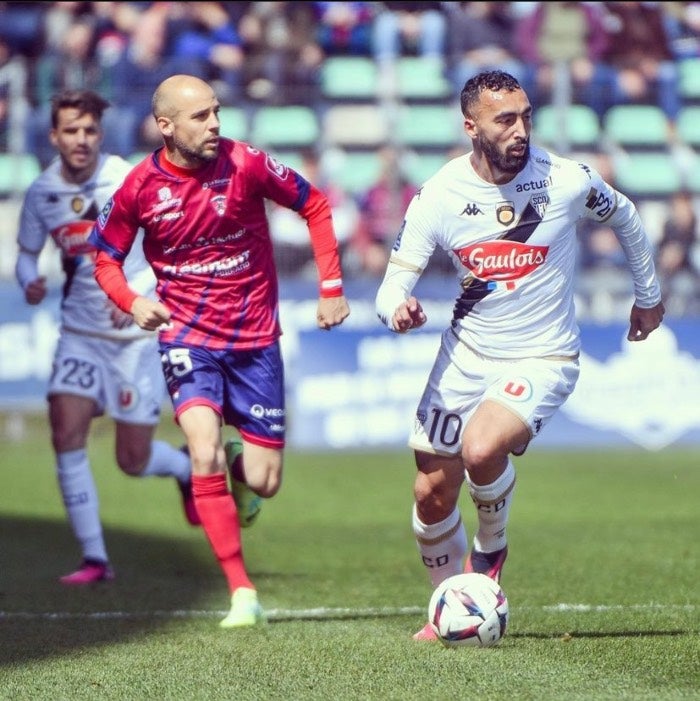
200,201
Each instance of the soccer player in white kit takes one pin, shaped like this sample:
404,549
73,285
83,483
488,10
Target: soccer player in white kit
506,214
103,361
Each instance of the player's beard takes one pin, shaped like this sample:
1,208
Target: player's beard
502,161
195,155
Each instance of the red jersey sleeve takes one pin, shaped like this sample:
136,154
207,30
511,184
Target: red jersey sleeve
113,236
288,188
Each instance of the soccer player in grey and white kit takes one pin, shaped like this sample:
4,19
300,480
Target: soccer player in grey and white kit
506,214
103,362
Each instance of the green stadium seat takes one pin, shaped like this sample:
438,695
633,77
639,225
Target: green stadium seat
428,127
355,126
17,171
422,79
689,80
688,126
647,174
349,78
291,126
234,123
355,171
642,127
578,126
418,167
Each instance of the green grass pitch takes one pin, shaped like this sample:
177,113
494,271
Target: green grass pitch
601,581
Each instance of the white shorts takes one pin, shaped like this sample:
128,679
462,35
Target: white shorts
124,378
532,388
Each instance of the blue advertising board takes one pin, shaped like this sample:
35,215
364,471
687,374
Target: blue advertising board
357,386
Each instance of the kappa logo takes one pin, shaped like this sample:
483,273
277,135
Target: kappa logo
471,210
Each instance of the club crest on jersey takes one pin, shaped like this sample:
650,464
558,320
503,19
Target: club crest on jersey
505,213
219,204
76,204
540,203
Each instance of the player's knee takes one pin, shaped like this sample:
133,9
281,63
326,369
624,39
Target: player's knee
265,482
435,501
477,454
131,461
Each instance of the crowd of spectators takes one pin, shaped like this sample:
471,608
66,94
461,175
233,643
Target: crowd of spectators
271,53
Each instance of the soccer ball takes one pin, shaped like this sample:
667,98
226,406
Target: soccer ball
468,609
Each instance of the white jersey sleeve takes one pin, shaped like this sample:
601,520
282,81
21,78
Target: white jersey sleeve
605,204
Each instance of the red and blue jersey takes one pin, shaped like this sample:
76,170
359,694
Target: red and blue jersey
207,238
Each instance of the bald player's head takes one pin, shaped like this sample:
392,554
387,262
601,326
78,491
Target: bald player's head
175,94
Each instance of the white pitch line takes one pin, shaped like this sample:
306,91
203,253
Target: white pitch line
323,613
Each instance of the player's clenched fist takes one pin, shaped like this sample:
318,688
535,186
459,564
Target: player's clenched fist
149,314
409,315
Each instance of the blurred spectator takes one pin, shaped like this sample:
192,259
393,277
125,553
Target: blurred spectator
638,64
563,35
70,63
13,103
138,70
293,255
382,208
409,28
283,60
344,28
205,40
480,38
677,253
682,20
22,26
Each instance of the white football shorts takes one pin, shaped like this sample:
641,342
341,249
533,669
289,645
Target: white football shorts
532,388
124,378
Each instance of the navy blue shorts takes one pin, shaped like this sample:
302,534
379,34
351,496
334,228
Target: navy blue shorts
246,388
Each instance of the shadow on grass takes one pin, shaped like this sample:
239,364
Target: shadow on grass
153,573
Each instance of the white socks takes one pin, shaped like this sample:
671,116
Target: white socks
81,502
166,461
443,545
492,503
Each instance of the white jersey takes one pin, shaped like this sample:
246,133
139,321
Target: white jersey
66,212
514,248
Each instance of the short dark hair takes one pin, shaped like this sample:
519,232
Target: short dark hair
85,101
487,80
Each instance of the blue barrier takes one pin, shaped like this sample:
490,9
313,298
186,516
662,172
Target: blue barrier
357,386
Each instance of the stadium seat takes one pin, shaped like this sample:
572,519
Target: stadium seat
688,126
636,127
291,126
418,167
355,126
578,126
355,171
689,80
428,127
17,171
234,123
647,174
349,78
422,79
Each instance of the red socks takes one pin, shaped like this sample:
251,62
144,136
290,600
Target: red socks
219,517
